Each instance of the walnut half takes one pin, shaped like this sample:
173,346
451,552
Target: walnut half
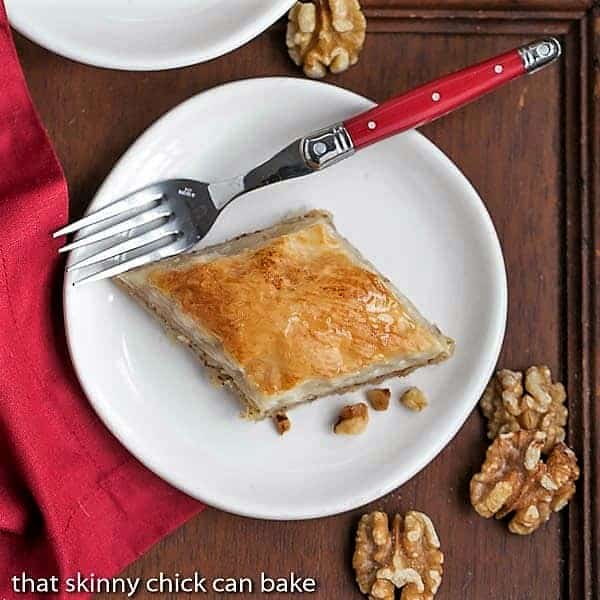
540,406
514,479
408,556
325,34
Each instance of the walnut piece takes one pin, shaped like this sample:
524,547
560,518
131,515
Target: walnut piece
379,398
353,419
514,479
373,549
408,556
282,422
325,34
414,399
541,406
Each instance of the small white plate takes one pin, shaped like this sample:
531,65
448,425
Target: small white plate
143,35
401,202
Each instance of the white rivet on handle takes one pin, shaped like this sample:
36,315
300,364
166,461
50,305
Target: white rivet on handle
371,125
544,50
498,69
320,148
435,96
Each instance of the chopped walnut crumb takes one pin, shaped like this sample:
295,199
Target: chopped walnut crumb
379,398
540,406
325,34
282,422
353,419
514,478
408,556
414,399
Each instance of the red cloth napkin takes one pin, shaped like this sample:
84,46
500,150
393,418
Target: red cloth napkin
71,497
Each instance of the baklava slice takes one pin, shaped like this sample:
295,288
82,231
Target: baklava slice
288,314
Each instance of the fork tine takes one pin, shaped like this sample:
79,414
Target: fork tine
134,243
127,265
138,220
137,199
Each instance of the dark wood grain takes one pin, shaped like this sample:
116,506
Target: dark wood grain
419,6
593,265
531,149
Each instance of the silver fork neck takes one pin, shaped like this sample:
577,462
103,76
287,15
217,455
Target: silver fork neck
314,152
223,192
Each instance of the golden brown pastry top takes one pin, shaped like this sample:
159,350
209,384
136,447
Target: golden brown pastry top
297,308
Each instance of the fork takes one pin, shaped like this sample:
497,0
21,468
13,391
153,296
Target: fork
170,217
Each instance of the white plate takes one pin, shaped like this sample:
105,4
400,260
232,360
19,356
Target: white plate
402,203
143,35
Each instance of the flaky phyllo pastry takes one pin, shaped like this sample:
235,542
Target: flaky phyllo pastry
288,314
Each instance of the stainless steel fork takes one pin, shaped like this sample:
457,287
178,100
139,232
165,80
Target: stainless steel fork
171,217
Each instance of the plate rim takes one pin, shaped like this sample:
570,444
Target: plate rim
86,56
341,506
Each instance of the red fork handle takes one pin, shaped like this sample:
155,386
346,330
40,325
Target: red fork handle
437,98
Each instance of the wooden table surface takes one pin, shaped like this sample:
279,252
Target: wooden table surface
529,150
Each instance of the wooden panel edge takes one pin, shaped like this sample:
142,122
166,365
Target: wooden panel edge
394,22
391,19
581,131
592,251
483,5
442,12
